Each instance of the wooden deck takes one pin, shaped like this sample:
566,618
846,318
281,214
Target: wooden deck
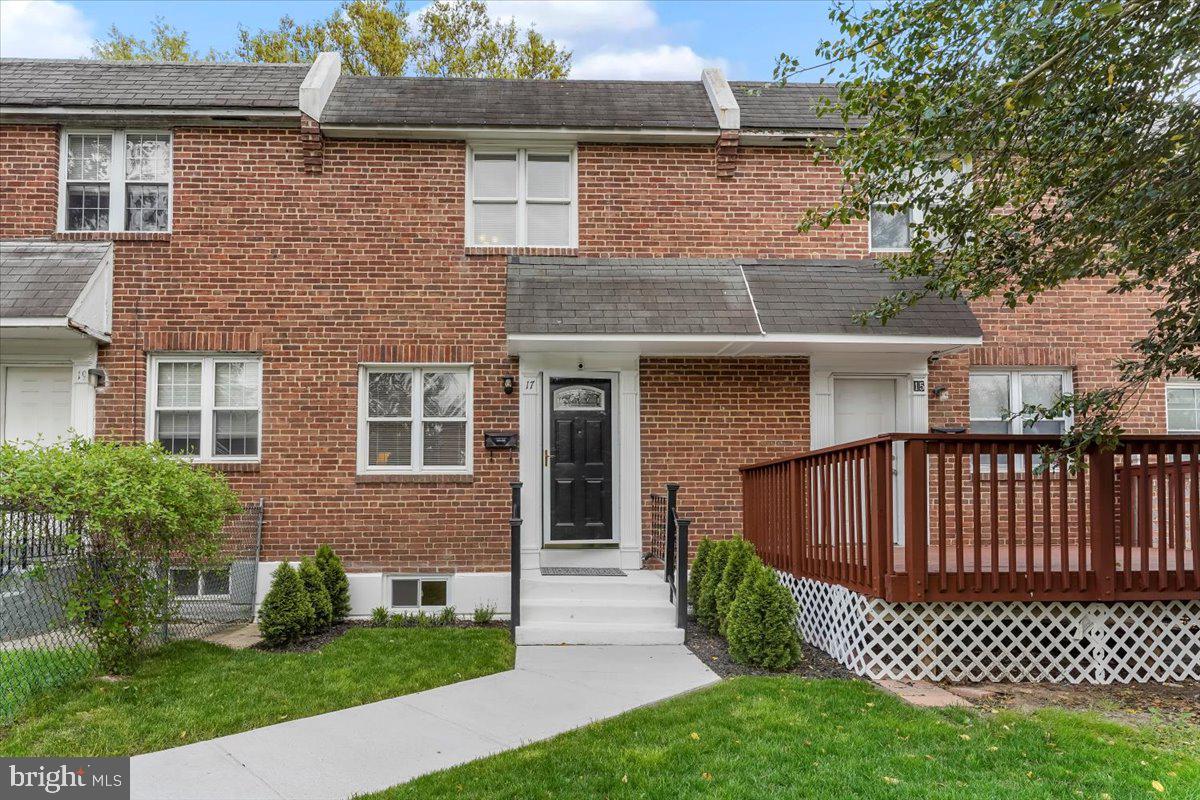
1127,527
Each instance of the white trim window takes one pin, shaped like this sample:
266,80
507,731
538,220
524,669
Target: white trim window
994,393
405,591
206,407
521,197
115,181
414,419
1183,406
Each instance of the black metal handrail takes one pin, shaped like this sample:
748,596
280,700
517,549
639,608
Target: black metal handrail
514,522
675,559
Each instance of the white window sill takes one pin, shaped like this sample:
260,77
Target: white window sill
414,477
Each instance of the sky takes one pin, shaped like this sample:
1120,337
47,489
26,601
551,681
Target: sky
617,39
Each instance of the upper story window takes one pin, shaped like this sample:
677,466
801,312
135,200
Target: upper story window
891,230
206,407
414,419
1183,407
994,393
521,197
115,181
893,221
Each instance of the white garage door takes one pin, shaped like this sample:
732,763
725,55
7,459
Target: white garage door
37,403
863,407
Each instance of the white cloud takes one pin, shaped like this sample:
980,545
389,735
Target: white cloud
569,19
664,62
43,29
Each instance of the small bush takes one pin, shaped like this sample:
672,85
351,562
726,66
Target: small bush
447,616
401,620
318,595
336,582
484,614
422,620
762,622
699,565
741,553
137,503
379,617
286,612
706,602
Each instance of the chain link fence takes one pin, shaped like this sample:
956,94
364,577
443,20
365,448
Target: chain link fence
40,557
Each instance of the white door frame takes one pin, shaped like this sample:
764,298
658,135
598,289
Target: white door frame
79,357
627,469
912,407
613,411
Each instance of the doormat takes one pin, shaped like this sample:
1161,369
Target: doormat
584,572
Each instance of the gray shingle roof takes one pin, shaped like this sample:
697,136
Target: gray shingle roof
765,106
578,296
823,297
40,278
589,296
141,84
535,103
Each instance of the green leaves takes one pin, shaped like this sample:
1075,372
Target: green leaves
453,38
139,507
1079,125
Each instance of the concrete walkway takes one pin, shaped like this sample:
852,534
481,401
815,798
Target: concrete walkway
368,748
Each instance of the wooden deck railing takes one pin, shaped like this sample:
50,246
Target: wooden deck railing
969,517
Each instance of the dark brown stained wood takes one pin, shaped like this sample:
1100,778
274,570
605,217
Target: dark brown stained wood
829,516
1047,528
1012,514
994,476
959,533
1064,491
1144,513
1178,490
1027,461
978,512
941,515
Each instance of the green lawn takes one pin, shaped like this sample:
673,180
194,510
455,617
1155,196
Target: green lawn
794,738
189,691
25,673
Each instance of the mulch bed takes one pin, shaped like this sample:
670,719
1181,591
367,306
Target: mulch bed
714,651
314,643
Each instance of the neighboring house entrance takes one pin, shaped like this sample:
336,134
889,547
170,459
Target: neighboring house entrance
863,407
580,459
37,403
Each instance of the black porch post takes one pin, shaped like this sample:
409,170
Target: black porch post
681,595
515,530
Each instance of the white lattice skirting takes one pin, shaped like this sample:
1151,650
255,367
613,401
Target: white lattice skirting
1131,642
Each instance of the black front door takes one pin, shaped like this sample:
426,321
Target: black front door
580,459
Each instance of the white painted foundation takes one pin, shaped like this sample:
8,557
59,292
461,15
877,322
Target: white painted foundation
466,591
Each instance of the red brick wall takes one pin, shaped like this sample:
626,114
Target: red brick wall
702,418
638,200
1080,327
28,180
367,257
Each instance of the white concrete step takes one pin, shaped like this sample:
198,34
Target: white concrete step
594,633
638,586
618,612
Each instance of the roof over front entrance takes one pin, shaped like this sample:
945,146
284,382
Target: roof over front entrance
50,288
720,307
